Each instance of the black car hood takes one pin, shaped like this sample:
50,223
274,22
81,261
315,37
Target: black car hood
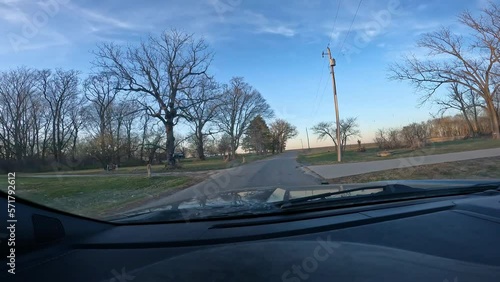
264,197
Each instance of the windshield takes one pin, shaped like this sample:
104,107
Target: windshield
192,109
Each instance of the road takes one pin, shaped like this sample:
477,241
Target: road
348,169
280,170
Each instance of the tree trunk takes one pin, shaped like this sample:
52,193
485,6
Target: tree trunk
199,145
199,151
129,143
232,154
476,123
495,124
73,151
169,127
54,141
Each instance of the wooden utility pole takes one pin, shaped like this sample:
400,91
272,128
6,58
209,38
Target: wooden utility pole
308,145
332,64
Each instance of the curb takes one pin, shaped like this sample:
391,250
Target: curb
308,171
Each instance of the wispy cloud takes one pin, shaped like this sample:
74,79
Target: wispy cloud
281,30
95,17
45,40
262,24
12,14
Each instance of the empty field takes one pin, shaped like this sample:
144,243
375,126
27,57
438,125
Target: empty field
96,197
321,156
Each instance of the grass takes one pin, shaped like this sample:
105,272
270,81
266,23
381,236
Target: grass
103,196
470,169
99,196
186,165
321,156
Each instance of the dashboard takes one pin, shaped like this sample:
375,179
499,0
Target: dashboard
454,238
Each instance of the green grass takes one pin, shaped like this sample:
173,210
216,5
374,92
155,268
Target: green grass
96,197
486,168
328,155
185,165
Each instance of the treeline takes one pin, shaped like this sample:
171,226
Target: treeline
126,111
262,139
418,135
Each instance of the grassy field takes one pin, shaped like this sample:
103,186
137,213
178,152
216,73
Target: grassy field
97,197
471,169
186,165
328,155
103,196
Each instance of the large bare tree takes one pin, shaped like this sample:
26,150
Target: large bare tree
110,118
240,104
60,89
20,112
199,107
101,91
158,70
472,62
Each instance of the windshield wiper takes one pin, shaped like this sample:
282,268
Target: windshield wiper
390,188
383,193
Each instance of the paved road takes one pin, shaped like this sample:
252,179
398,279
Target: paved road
348,169
281,170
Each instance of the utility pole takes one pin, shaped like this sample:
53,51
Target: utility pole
308,145
302,144
332,64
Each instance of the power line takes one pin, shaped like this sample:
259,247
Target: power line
323,94
350,27
334,23
316,104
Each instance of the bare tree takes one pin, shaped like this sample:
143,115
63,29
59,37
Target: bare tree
199,107
18,112
77,118
281,132
240,104
463,100
324,130
415,135
388,138
473,62
101,90
158,71
60,91
131,137
224,145
348,128
123,113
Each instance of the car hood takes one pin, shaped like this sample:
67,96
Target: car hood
260,196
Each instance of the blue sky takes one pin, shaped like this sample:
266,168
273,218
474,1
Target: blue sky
276,46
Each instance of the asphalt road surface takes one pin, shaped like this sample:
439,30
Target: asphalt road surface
279,171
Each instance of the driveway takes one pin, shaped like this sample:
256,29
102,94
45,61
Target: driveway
348,169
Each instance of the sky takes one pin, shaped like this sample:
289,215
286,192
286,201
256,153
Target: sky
275,45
